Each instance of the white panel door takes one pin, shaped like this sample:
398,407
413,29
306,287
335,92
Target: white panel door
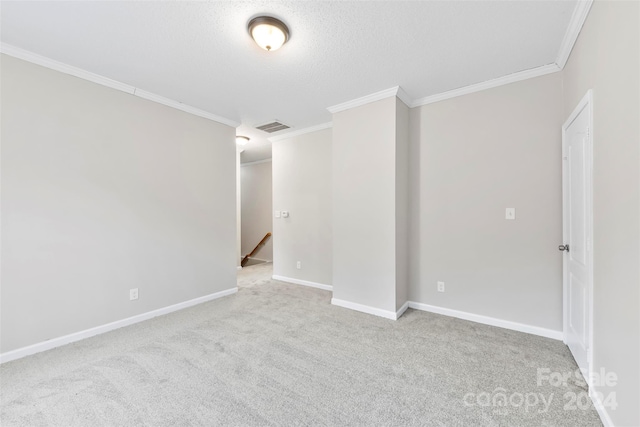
576,161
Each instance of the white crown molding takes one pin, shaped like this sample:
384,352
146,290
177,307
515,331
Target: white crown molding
257,162
34,58
501,81
402,96
303,282
573,31
300,132
184,107
383,94
486,320
87,333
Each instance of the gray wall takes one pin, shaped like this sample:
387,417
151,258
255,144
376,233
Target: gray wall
302,186
479,154
238,209
402,203
102,192
364,205
256,189
606,58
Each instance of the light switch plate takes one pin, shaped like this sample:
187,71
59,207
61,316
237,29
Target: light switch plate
510,213
276,214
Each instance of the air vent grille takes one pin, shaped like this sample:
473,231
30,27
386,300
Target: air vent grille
272,127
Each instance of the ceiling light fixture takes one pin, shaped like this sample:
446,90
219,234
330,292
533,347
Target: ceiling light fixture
269,33
242,140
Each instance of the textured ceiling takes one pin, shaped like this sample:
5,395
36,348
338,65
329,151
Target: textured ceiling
200,53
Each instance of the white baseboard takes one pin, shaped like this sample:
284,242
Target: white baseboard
602,411
366,309
77,336
402,309
303,282
521,327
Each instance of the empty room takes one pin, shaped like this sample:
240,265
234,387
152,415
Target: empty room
338,213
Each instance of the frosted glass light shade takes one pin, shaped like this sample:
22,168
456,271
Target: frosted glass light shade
242,140
269,33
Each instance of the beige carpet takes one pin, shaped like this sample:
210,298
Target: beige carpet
280,354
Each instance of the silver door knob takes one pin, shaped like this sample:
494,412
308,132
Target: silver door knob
563,248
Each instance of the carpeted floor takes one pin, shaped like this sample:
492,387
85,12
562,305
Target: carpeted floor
280,354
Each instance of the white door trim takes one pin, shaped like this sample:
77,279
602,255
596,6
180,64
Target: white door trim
585,102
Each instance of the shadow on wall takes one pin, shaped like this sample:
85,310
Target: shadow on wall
256,207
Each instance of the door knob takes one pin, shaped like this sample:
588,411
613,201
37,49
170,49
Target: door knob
563,248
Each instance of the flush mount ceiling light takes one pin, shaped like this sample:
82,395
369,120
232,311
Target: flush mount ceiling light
269,33
242,140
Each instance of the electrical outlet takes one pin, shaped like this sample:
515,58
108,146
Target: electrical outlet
133,294
510,213
440,286
298,265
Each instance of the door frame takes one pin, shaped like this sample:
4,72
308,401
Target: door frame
585,103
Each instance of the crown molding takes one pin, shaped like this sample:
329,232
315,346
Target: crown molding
576,23
573,31
300,132
510,78
387,93
402,96
465,90
34,58
184,107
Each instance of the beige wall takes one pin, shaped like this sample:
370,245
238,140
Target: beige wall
256,192
479,154
302,186
238,209
364,205
102,192
606,59
402,204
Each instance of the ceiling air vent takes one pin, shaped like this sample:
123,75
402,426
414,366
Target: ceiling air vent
272,127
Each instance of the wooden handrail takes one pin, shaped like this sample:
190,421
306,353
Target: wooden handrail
256,249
